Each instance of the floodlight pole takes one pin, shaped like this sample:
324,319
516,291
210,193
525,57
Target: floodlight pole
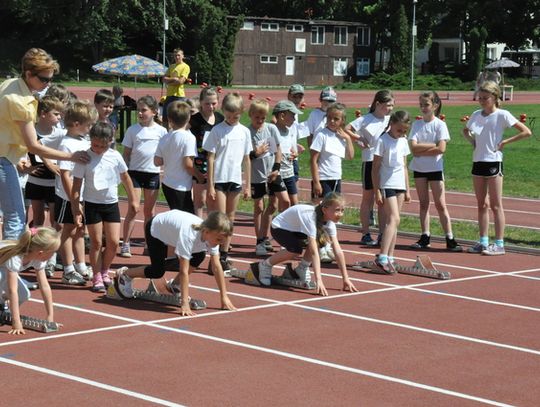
165,28
413,32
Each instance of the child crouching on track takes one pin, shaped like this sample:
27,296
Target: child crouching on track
301,229
192,238
391,183
33,249
101,212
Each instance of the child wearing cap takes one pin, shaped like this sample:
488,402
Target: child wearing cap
284,113
317,118
296,95
265,179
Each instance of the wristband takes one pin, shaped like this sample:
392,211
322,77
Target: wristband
252,155
276,167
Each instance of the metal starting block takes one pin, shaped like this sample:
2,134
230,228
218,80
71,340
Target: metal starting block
157,291
34,324
289,278
423,267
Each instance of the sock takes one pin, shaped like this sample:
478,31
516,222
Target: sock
304,264
450,236
383,258
428,234
69,269
81,267
484,240
390,259
499,242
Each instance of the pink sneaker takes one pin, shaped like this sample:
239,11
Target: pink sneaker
105,278
97,283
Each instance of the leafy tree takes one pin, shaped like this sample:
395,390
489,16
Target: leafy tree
400,50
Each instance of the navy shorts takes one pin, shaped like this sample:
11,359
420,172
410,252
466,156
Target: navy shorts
328,185
290,184
367,181
294,242
39,193
431,176
228,187
487,168
146,180
97,213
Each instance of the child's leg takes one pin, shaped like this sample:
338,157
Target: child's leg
150,199
38,212
368,199
258,209
112,238
396,221
439,198
422,189
283,201
129,220
231,202
95,231
78,245
495,187
391,209
480,185
66,245
282,256
199,198
268,212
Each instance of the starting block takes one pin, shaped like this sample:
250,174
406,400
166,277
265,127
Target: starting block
423,267
157,291
289,278
34,324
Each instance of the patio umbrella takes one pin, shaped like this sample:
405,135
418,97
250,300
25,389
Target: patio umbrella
502,63
131,65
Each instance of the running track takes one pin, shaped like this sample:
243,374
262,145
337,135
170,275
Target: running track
401,341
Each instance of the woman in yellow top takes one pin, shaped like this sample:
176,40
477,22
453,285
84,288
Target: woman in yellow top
18,110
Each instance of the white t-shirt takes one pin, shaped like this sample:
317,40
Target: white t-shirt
143,141
173,148
332,151
428,132
229,144
316,121
370,129
69,144
174,228
393,168
488,132
15,264
51,140
288,138
301,218
101,176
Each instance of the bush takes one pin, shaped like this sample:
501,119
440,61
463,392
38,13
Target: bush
402,81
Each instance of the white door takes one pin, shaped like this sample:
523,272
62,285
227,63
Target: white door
289,66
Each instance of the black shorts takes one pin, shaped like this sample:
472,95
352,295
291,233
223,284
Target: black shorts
201,163
39,193
62,211
487,168
296,169
157,251
290,184
180,200
328,185
228,187
146,180
97,213
258,191
294,242
367,181
389,193
431,176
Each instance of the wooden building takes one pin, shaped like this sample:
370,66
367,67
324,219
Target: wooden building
273,51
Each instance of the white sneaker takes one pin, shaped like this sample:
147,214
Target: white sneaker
87,274
173,287
493,250
125,250
304,273
324,256
260,249
265,273
123,283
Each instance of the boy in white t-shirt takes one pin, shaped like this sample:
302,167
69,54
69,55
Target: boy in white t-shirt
79,118
176,151
227,143
317,118
102,175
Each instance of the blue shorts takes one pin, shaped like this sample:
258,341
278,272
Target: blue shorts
290,184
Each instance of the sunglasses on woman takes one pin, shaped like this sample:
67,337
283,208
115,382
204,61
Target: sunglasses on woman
44,79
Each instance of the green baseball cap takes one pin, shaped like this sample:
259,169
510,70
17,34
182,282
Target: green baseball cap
296,88
286,106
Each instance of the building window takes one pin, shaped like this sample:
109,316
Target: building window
340,35
317,35
340,66
269,59
294,27
363,37
248,25
362,67
269,27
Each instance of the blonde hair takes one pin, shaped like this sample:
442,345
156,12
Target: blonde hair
233,103
49,103
492,88
259,106
37,60
178,113
80,111
34,239
329,199
216,222
338,107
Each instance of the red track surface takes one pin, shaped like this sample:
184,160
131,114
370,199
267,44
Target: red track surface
402,340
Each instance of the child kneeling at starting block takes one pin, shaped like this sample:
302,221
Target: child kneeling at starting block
192,238
302,229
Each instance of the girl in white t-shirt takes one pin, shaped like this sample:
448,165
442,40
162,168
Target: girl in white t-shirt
101,176
391,183
428,139
191,238
484,131
301,229
140,143
34,247
369,128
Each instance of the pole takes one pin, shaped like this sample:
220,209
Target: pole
165,28
413,35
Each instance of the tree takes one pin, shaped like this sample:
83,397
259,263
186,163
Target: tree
400,50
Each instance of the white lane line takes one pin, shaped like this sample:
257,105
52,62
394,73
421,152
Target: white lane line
82,380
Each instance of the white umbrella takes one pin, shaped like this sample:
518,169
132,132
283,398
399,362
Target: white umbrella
502,63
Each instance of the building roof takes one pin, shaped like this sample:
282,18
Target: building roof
300,21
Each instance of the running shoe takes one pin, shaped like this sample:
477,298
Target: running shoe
422,243
268,245
493,250
105,278
125,250
262,273
260,249
73,278
453,246
304,273
367,240
123,283
384,267
97,283
477,248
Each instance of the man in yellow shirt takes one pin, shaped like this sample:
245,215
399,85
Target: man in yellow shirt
174,78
